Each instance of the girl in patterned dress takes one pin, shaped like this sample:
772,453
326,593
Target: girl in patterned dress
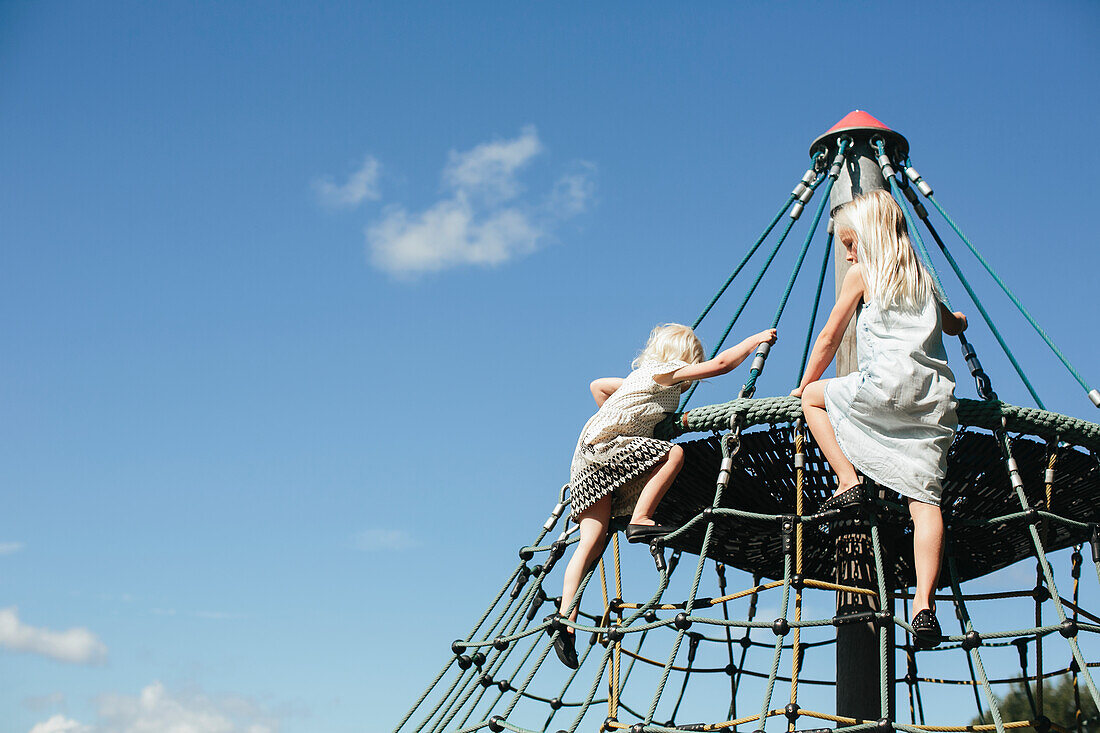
893,419
619,468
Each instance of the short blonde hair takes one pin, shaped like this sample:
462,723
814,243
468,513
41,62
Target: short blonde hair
894,274
669,342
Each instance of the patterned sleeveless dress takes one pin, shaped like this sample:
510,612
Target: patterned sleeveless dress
895,417
616,447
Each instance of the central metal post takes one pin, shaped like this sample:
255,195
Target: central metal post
858,669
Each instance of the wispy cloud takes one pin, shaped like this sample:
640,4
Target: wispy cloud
60,724
372,540
483,220
362,185
157,709
44,702
78,646
10,548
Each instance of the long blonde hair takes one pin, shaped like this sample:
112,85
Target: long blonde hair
668,342
895,276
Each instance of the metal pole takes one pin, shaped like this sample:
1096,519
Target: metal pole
857,647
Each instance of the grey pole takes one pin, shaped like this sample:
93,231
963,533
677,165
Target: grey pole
857,645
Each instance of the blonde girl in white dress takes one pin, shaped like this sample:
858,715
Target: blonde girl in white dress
619,468
893,419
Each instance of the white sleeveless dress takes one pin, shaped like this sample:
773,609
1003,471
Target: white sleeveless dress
616,447
895,417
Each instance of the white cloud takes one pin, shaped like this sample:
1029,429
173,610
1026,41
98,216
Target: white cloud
383,539
362,185
482,221
10,548
490,168
60,724
155,710
78,646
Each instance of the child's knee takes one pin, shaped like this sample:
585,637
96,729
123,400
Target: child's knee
676,457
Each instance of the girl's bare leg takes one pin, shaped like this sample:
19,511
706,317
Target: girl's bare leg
817,419
593,536
927,552
658,483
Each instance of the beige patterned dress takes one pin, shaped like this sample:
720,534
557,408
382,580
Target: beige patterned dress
617,447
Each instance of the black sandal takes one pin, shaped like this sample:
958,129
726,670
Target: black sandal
565,645
852,496
646,532
926,629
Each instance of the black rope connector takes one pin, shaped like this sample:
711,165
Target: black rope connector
884,618
731,669
536,571
606,725
458,646
650,616
1068,628
780,627
972,640
557,549
500,644
504,686
791,711
495,724
682,622
478,658
658,555
616,633
615,605
884,725
637,728
526,553
521,580
798,581
746,642
1074,667
486,680
464,662
555,703
1095,542
1031,514
1042,724
786,526
1040,593
708,513
1075,565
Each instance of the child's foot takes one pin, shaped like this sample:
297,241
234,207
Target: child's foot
926,629
645,530
850,496
566,648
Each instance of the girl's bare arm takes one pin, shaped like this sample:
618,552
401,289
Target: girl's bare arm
603,388
851,293
721,364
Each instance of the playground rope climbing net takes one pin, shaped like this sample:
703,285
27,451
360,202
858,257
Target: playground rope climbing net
749,499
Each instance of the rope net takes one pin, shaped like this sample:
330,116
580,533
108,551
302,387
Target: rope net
691,653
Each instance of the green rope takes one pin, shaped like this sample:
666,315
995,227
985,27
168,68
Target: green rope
985,316
749,294
904,204
968,626
1016,301
817,304
750,384
744,260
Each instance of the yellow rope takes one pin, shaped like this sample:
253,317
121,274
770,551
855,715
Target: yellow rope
796,641
617,657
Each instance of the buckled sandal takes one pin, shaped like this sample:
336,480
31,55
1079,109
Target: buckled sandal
926,629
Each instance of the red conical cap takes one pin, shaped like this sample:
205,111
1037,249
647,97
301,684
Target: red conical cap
856,119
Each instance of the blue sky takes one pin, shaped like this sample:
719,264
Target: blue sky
300,301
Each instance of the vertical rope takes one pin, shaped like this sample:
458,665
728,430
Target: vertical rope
799,482
817,304
964,617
